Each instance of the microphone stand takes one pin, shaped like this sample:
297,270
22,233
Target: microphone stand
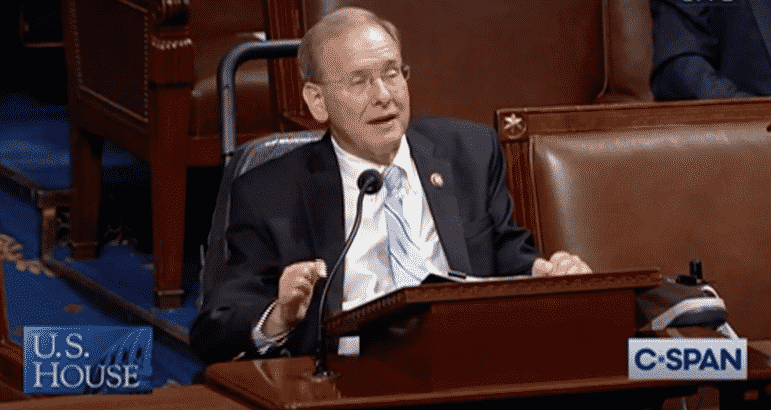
369,182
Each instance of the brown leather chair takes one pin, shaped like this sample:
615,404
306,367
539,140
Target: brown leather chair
641,185
142,74
470,58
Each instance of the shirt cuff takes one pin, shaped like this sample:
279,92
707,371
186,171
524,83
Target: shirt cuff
261,341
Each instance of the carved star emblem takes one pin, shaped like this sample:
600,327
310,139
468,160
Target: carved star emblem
514,124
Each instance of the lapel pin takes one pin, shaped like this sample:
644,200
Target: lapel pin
437,180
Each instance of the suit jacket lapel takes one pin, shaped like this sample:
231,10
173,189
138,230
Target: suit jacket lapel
441,200
327,222
763,18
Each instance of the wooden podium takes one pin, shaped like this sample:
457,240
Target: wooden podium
459,342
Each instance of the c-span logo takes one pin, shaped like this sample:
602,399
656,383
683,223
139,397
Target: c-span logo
87,359
688,359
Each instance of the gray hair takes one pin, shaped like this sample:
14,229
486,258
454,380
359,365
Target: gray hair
332,26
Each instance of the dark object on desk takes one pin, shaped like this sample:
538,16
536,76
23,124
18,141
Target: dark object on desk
435,279
676,305
694,277
683,301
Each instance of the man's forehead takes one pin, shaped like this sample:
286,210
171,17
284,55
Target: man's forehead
360,45
365,36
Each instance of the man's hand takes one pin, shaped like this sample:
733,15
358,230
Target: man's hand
560,263
295,290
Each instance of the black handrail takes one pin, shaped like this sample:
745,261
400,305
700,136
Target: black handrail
226,82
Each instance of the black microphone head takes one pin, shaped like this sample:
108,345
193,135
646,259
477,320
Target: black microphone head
370,181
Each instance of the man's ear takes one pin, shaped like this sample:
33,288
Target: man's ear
315,100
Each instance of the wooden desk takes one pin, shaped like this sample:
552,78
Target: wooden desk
283,383
265,383
197,397
755,392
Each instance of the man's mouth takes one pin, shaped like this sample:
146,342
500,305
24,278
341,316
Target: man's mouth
382,120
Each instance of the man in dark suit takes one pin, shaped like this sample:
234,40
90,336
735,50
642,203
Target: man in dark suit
290,216
711,49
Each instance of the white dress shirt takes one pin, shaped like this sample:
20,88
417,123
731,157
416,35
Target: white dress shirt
367,273
367,265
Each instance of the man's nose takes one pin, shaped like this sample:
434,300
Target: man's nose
381,91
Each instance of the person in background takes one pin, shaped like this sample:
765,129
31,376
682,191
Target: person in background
711,49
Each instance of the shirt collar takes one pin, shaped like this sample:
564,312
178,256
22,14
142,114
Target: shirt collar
351,166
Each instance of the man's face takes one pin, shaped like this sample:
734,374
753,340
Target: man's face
368,108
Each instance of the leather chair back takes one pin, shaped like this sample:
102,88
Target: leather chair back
653,185
246,157
216,26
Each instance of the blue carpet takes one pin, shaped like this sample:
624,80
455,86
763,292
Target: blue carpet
34,141
36,299
21,221
129,273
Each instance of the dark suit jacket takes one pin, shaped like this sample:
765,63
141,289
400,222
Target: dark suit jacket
291,209
711,49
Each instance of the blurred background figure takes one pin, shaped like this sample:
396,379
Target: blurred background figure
711,48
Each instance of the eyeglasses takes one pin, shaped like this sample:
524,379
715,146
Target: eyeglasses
361,82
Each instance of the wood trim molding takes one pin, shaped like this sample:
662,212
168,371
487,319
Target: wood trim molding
11,354
71,25
11,365
285,20
172,60
172,12
349,321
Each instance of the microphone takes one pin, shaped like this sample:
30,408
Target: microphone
369,182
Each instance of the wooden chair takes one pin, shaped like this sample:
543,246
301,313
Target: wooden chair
647,184
142,74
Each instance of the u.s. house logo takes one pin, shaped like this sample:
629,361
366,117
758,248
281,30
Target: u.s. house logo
87,359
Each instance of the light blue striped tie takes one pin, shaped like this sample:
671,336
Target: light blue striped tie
408,268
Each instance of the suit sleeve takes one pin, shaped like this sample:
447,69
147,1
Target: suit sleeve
248,284
515,250
687,49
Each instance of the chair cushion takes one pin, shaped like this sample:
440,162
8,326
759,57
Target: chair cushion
220,18
252,96
662,198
